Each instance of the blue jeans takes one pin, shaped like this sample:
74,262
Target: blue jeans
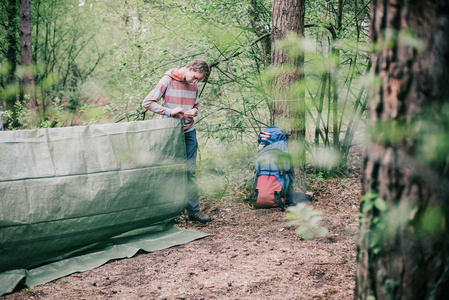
192,187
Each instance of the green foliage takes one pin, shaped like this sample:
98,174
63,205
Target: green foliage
57,115
428,132
119,50
58,110
134,42
151,38
392,38
333,84
431,221
431,134
23,115
9,34
379,221
385,222
306,219
64,55
315,180
224,167
9,91
371,200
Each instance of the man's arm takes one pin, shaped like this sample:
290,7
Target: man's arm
150,101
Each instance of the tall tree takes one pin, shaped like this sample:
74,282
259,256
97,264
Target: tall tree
288,16
26,50
11,26
403,247
288,104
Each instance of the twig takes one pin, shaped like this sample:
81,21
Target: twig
237,53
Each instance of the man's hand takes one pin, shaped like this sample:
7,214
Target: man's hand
177,111
191,113
264,135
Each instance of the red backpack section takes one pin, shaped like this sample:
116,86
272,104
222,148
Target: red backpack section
268,191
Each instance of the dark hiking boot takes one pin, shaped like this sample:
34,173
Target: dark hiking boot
200,217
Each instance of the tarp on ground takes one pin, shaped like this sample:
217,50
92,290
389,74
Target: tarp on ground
73,198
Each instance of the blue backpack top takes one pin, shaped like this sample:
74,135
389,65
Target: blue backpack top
273,159
277,140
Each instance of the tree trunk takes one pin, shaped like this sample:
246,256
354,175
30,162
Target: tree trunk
12,10
287,16
403,247
288,107
26,51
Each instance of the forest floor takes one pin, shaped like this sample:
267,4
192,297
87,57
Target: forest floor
252,254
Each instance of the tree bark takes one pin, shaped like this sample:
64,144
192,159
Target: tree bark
403,250
12,10
288,106
26,51
287,16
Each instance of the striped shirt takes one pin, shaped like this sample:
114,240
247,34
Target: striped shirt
173,91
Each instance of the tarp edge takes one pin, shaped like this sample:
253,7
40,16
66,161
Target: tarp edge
125,248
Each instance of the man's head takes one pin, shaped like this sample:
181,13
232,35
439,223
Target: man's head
198,70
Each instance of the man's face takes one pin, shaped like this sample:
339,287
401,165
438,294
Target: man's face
193,76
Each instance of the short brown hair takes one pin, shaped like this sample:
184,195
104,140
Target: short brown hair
200,65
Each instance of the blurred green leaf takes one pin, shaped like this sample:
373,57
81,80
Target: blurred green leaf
306,219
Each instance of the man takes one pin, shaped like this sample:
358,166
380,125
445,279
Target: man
178,90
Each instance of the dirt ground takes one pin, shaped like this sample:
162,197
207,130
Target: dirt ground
252,255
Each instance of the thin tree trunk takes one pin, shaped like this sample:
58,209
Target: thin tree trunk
13,50
335,111
256,11
334,77
320,109
26,51
403,248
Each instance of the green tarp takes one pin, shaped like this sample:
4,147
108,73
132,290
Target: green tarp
73,198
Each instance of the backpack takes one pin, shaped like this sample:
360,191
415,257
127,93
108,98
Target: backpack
273,171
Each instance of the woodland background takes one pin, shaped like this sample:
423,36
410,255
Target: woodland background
312,67
94,61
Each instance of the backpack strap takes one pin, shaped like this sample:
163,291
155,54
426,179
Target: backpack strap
254,198
280,164
282,173
278,199
284,191
255,192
